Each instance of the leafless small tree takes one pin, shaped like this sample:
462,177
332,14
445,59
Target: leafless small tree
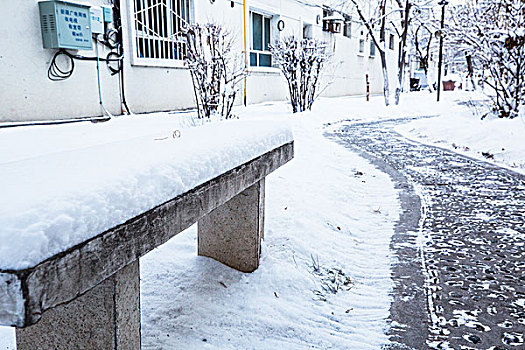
422,37
492,32
215,70
301,61
371,14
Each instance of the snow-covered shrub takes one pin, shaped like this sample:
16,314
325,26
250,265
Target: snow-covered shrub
301,61
493,33
215,70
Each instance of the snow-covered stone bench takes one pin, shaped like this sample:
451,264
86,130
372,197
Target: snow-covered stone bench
76,216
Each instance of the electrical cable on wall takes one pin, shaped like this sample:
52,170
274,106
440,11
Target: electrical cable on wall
62,64
98,80
55,73
120,53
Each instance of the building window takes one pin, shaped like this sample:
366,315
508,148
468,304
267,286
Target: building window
325,23
361,45
332,21
391,42
307,31
158,26
347,26
372,48
260,55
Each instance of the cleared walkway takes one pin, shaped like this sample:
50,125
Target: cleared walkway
460,243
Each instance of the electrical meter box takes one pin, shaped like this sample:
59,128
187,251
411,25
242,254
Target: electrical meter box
65,25
97,20
108,14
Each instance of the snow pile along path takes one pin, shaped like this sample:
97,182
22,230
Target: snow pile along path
56,196
461,129
324,280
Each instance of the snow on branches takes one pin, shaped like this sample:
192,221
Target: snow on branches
301,62
214,69
493,33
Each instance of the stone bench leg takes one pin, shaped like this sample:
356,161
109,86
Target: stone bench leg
232,233
106,317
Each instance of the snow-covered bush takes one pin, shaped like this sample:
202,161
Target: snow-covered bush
492,32
215,70
301,61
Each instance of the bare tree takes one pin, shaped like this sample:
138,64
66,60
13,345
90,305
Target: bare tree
492,32
373,14
301,62
214,69
416,14
403,34
422,38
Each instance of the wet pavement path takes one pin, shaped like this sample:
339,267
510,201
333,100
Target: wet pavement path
459,245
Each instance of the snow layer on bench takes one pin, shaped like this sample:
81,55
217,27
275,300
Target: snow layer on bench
62,185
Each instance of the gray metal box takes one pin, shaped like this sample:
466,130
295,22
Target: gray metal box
65,25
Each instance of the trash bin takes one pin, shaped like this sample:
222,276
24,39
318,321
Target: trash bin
449,85
414,84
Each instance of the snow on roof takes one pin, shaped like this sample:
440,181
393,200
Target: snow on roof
62,185
336,16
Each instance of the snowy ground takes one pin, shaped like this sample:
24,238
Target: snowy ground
461,129
328,229
317,209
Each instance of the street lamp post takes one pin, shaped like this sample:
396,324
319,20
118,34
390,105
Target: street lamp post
443,3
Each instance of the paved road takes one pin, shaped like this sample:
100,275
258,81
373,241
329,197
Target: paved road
460,243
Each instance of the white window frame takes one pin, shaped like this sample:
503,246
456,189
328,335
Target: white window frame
157,38
372,44
258,52
359,51
308,31
391,42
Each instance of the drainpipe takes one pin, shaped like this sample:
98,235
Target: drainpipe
245,52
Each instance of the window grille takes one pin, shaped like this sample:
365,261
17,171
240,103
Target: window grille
361,45
391,42
372,49
260,55
158,29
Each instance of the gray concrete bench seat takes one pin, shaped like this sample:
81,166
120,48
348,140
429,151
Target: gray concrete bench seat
88,296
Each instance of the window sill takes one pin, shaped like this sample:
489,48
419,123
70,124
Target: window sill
157,63
264,70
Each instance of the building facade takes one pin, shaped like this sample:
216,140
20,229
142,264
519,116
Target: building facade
38,85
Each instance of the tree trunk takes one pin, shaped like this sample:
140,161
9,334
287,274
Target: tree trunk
386,90
382,53
402,53
470,70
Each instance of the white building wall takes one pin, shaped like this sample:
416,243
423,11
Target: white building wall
28,95
267,83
